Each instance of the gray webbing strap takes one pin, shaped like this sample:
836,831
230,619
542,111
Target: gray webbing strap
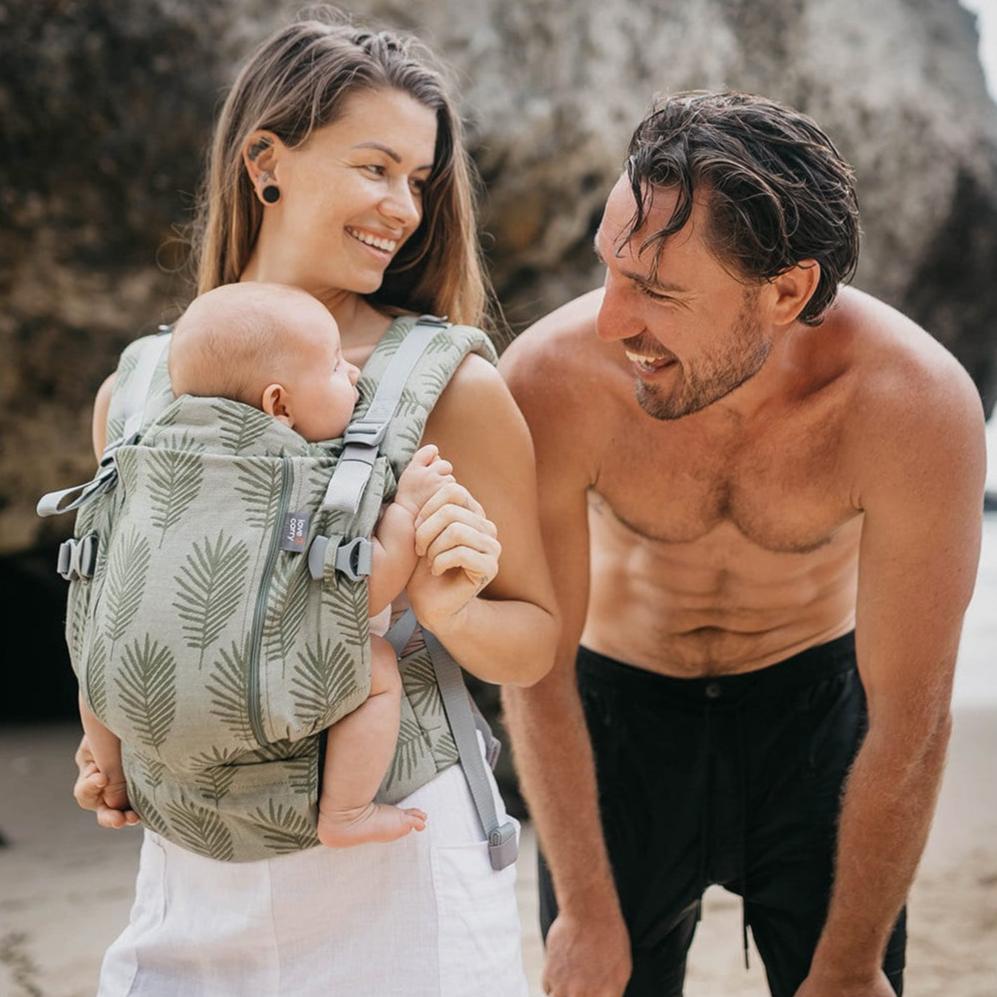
400,632
364,435
502,843
137,397
134,405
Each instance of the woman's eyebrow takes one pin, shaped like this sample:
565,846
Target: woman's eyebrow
388,151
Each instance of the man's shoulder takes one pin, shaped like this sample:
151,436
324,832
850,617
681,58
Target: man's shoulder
900,370
561,343
912,402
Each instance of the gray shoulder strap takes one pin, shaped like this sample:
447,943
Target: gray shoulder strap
138,389
465,719
140,384
364,435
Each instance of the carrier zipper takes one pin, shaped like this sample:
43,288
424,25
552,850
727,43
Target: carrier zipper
256,635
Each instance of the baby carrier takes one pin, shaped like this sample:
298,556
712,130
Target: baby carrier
217,614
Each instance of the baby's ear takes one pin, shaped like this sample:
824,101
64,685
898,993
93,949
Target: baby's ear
277,402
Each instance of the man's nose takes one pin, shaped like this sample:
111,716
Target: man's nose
614,321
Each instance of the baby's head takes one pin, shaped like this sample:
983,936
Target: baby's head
271,346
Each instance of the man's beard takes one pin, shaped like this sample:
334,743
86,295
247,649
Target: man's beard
715,377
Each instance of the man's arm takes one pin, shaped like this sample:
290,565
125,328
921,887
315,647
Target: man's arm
921,490
588,949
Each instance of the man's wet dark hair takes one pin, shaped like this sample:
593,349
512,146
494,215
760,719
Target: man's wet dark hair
776,189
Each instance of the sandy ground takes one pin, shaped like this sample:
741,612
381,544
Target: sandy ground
65,886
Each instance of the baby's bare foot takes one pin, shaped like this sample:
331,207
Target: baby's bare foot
374,822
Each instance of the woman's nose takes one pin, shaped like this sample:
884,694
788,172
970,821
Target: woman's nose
400,204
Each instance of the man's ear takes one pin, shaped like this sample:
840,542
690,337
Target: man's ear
791,290
261,153
277,402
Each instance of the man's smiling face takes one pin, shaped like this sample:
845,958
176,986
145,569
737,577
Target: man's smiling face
689,328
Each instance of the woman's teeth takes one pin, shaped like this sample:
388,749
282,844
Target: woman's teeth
385,245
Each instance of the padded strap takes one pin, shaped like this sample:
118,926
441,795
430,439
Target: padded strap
364,435
502,843
140,383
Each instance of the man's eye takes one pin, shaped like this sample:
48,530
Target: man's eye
655,297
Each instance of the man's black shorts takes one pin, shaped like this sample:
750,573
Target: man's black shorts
733,780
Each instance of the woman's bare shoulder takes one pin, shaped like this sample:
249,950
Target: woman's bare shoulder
100,406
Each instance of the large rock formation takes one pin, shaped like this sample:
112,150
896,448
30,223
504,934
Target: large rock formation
106,108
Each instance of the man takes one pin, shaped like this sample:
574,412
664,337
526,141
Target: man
761,500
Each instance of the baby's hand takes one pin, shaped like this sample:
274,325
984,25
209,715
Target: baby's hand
425,475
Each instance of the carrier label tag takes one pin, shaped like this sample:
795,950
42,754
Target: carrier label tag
295,531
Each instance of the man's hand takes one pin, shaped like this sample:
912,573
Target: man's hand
90,788
828,985
587,956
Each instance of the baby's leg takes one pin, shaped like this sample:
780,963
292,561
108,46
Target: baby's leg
359,749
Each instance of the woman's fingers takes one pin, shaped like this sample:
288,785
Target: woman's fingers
460,534
434,526
88,791
451,493
482,567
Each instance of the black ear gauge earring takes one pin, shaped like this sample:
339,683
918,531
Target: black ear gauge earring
270,192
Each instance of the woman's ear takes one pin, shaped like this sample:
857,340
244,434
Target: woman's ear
277,402
260,155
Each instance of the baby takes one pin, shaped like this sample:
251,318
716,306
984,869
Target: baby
277,348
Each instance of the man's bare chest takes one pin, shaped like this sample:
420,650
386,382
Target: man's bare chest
783,489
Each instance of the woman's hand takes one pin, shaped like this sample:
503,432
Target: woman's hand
458,556
89,791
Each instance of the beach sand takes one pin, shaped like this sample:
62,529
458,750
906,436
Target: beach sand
67,885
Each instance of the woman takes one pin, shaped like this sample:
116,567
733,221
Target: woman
338,166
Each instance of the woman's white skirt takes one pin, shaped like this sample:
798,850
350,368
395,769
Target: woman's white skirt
425,916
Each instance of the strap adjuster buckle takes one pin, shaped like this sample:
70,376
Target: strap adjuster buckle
352,558
78,557
502,845
368,434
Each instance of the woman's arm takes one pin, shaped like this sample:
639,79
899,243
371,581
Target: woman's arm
92,783
497,617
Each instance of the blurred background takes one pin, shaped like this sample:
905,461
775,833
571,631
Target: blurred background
105,109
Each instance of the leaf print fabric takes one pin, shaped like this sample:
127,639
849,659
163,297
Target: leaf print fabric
207,647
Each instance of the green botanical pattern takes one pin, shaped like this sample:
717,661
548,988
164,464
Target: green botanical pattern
411,747
97,678
126,574
286,608
126,462
419,678
348,604
259,488
153,771
229,692
200,829
216,770
143,806
283,828
210,590
239,425
445,751
175,479
324,677
146,685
